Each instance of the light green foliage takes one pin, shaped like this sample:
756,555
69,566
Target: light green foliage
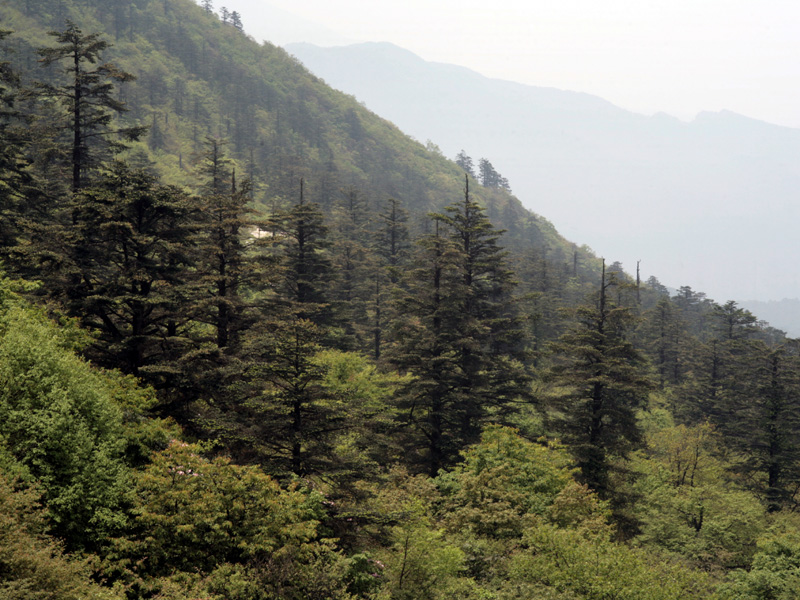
420,561
196,513
569,563
233,525
424,565
503,482
775,570
689,505
60,421
33,566
354,376
367,393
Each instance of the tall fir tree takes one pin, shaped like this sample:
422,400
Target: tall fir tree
664,338
353,264
306,272
230,246
283,415
14,178
391,247
602,384
286,418
459,335
766,427
122,268
491,351
425,343
88,100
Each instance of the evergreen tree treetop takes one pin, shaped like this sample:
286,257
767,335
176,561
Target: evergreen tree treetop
603,383
87,97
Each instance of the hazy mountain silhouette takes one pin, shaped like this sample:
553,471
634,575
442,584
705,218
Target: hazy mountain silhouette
710,203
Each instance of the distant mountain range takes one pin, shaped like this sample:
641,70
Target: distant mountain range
783,314
711,203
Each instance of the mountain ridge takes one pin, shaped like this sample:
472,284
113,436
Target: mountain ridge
632,186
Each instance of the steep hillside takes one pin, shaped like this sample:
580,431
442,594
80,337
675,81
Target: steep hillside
700,203
198,77
352,404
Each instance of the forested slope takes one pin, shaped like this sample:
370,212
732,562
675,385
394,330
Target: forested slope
268,347
198,77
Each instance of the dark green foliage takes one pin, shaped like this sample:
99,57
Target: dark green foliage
664,338
769,432
491,348
602,383
290,419
229,242
392,248
306,271
87,98
488,176
732,322
355,267
425,343
464,161
122,267
760,416
392,238
15,181
459,335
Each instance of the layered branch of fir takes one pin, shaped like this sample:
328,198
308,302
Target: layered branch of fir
601,383
460,335
14,178
87,98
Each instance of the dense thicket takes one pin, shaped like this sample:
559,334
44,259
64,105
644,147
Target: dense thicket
241,359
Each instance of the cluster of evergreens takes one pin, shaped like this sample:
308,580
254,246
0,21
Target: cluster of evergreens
300,360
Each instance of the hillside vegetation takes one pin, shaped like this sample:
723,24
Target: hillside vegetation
256,344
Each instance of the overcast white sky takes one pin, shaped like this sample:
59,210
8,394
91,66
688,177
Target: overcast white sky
676,56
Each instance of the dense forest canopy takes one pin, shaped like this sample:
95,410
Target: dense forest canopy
255,343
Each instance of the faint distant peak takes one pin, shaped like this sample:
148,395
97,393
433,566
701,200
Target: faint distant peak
664,117
728,117
362,65
382,52
266,22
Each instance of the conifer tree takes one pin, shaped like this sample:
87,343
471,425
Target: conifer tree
391,247
391,238
603,383
13,176
721,368
228,245
236,21
122,267
306,272
766,427
425,344
459,334
88,99
464,161
284,416
353,264
664,338
288,419
491,350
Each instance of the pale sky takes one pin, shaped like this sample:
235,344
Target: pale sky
675,56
